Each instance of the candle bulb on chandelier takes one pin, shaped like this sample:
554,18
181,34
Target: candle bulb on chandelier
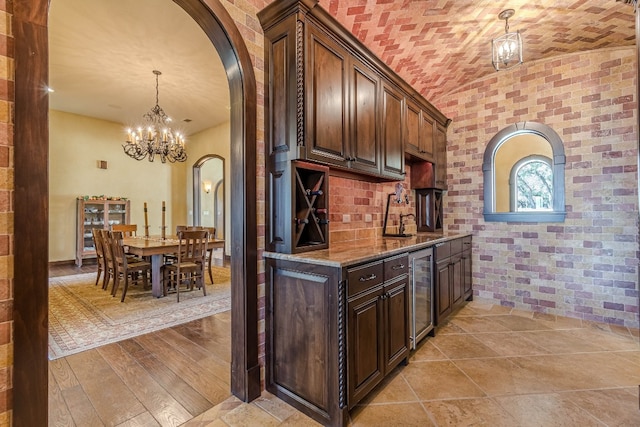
129,135
164,136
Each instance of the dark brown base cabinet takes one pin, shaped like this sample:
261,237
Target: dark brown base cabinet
332,333
453,284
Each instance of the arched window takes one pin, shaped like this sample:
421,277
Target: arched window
540,168
531,183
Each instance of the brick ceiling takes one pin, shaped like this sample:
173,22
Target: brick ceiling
439,45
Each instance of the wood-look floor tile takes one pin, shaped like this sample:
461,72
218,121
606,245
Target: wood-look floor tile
630,356
614,407
557,322
469,412
63,373
173,359
111,398
462,347
164,408
548,410
59,415
197,354
439,380
143,420
186,395
607,340
82,410
406,414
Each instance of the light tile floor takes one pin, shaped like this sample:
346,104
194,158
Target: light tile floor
489,366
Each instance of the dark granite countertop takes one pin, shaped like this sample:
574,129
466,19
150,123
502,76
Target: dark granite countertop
345,254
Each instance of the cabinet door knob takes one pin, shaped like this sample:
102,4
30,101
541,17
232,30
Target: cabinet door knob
367,278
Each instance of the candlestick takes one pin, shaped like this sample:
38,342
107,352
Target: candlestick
163,226
146,221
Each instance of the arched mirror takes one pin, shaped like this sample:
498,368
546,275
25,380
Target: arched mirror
208,193
523,171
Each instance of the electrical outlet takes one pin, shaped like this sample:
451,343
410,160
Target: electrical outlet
346,218
367,218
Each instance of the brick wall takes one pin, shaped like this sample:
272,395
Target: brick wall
364,203
587,266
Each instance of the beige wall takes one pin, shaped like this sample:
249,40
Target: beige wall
507,155
215,140
76,143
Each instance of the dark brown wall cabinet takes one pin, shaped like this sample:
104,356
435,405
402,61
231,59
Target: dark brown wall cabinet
453,283
332,334
330,100
421,130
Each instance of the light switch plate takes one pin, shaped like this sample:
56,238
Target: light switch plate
346,218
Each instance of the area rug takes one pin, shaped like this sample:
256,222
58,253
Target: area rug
83,316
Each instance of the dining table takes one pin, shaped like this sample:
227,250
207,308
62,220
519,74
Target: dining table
155,247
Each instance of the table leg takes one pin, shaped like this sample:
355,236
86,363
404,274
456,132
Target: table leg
156,277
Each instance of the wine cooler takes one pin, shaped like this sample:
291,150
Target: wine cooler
421,299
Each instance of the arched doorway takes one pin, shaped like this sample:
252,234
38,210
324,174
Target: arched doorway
31,198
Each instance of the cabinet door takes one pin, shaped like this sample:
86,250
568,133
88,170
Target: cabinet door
457,279
364,344
326,100
443,297
466,273
441,156
365,140
392,133
427,131
396,306
412,138
420,132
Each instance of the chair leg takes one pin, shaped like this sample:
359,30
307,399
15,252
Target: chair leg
125,287
99,273
105,281
209,266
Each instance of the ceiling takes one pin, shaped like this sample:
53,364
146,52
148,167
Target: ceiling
102,53
439,45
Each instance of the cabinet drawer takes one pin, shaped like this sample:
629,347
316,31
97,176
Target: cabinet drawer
443,250
456,246
396,266
364,277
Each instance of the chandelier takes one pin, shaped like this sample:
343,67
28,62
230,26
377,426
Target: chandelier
156,137
506,50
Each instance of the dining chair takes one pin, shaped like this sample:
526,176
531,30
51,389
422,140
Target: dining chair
189,266
128,269
128,230
212,235
109,266
99,245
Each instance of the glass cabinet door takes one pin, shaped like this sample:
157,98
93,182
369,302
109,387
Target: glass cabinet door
93,218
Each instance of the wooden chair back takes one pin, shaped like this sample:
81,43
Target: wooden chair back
192,246
99,245
128,230
109,265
